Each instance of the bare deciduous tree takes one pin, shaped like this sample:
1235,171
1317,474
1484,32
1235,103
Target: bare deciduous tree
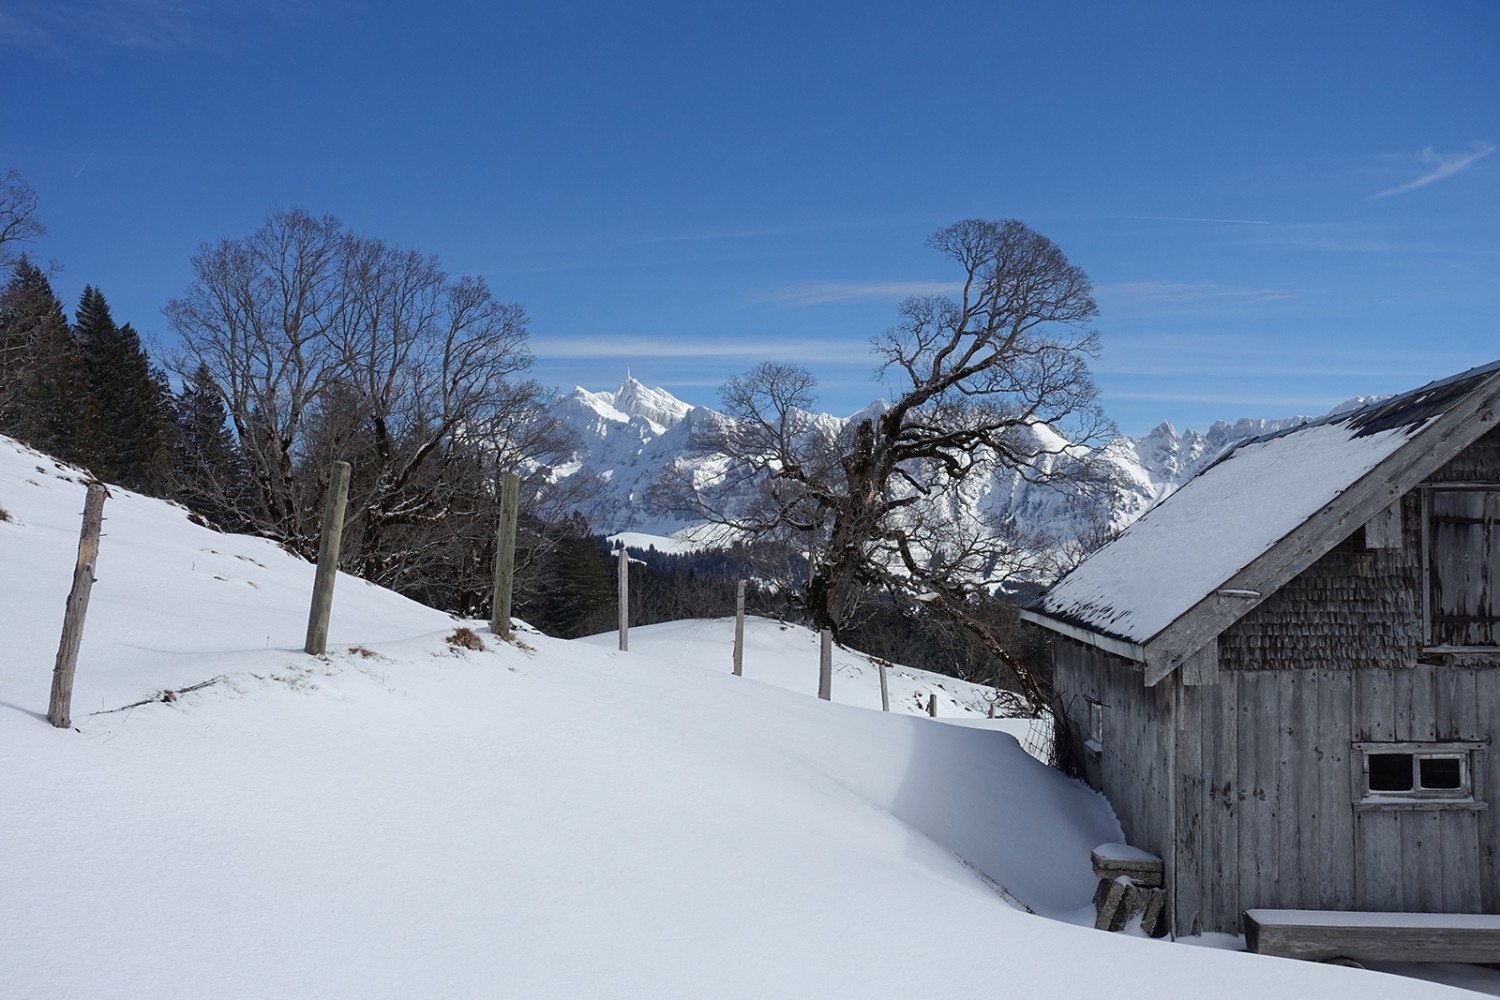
18,218
993,380
329,345
259,318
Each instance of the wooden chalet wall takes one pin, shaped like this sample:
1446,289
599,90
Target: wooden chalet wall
1132,763
1264,804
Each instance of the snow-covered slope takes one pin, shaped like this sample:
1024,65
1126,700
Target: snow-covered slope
404,819
629,436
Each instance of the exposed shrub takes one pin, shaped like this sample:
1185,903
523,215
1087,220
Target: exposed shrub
466,638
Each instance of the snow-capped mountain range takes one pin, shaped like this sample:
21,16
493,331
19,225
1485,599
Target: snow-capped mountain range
627,437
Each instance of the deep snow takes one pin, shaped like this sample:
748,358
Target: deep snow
559,819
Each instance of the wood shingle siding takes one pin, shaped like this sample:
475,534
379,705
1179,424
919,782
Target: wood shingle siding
1314,731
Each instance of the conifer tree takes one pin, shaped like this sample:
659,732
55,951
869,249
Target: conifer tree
45,398
130,443
209,472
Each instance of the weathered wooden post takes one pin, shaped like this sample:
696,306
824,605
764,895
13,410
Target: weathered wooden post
328,559
825,667
885,692
624,599
932,704
739,629
505,555
59,710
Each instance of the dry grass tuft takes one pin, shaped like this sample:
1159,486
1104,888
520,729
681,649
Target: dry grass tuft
4,514
466,638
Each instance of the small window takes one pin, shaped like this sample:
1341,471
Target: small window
1390,772
1095,741
1417,772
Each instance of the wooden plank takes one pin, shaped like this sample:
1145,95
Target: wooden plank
1485,706
1186,874
1258,734
1426,452
1335,845
1297,805
1203,666
1225,899
1383,936
1421,861
1492,565
1421,716
1378,875
1462,872
1303,768
1375,704
1383,531
1377,841
1212,720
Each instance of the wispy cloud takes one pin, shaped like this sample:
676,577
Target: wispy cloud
1444,165
822,292
54,26
1187,291
626,346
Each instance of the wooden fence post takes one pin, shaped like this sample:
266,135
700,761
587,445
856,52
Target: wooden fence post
932,704
885,692
825,667
328,559
61,705
624,599
739,629
505,555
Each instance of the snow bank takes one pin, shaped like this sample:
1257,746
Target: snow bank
402,819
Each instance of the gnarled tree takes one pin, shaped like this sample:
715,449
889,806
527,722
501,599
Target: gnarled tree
994,379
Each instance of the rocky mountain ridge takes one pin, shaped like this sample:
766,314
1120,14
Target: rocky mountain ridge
628,436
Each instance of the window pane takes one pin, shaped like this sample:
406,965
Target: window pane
1390,772
1441,772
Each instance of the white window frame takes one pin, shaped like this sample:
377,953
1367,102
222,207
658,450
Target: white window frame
1467,752
1095,741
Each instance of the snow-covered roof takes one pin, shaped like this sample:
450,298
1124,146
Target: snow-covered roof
1199,542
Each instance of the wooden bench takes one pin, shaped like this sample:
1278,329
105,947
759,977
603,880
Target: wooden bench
1380,937
1130,882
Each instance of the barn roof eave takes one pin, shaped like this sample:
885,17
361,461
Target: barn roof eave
1110,644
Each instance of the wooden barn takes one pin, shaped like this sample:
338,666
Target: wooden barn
1286,676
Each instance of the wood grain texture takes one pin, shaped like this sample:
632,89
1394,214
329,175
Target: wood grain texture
1298,934
60,704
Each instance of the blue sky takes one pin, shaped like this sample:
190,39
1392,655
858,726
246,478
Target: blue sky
1282,205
